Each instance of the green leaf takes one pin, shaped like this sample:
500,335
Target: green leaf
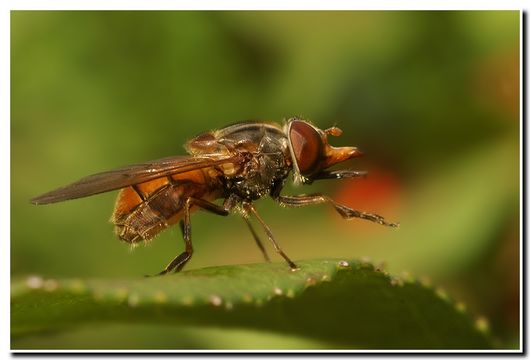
347,304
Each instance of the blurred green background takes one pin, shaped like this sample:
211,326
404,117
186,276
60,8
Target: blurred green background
431,98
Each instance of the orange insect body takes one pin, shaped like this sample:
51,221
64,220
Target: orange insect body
239,163
145,209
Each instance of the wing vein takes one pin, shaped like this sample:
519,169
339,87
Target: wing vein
130,175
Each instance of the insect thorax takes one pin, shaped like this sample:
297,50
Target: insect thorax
267,164
261,174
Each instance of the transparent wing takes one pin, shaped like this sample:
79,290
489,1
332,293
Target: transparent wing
130,175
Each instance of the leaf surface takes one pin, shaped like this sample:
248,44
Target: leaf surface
349,304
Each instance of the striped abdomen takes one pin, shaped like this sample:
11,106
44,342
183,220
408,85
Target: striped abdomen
143,210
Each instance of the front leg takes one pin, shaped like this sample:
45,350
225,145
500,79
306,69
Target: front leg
339,174
344,211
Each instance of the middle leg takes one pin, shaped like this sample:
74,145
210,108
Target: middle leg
257,239
249,208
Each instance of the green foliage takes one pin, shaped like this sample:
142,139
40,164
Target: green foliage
344,304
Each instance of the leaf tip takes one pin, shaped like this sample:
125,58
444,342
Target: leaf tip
344,264
121,294
216,300
310,281
396,281
133,300
187,301
290,293
278,291
426,282
34,282
160,297
442,294
460,307
482,324
77,286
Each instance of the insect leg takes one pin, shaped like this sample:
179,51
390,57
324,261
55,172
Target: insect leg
258,241
344,211
182,258
179,261
232,201
339,174
250,208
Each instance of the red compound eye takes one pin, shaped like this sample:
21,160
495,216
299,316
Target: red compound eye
307,146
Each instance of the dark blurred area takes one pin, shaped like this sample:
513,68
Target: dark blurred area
431,98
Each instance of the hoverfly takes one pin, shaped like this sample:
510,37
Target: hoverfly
239,163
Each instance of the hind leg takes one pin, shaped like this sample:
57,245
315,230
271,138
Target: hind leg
180,260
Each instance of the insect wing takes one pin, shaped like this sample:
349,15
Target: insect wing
130,175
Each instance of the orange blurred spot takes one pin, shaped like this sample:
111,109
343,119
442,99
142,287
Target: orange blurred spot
377,193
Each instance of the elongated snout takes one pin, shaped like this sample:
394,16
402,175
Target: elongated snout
336,155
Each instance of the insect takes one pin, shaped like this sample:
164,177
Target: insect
239,163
